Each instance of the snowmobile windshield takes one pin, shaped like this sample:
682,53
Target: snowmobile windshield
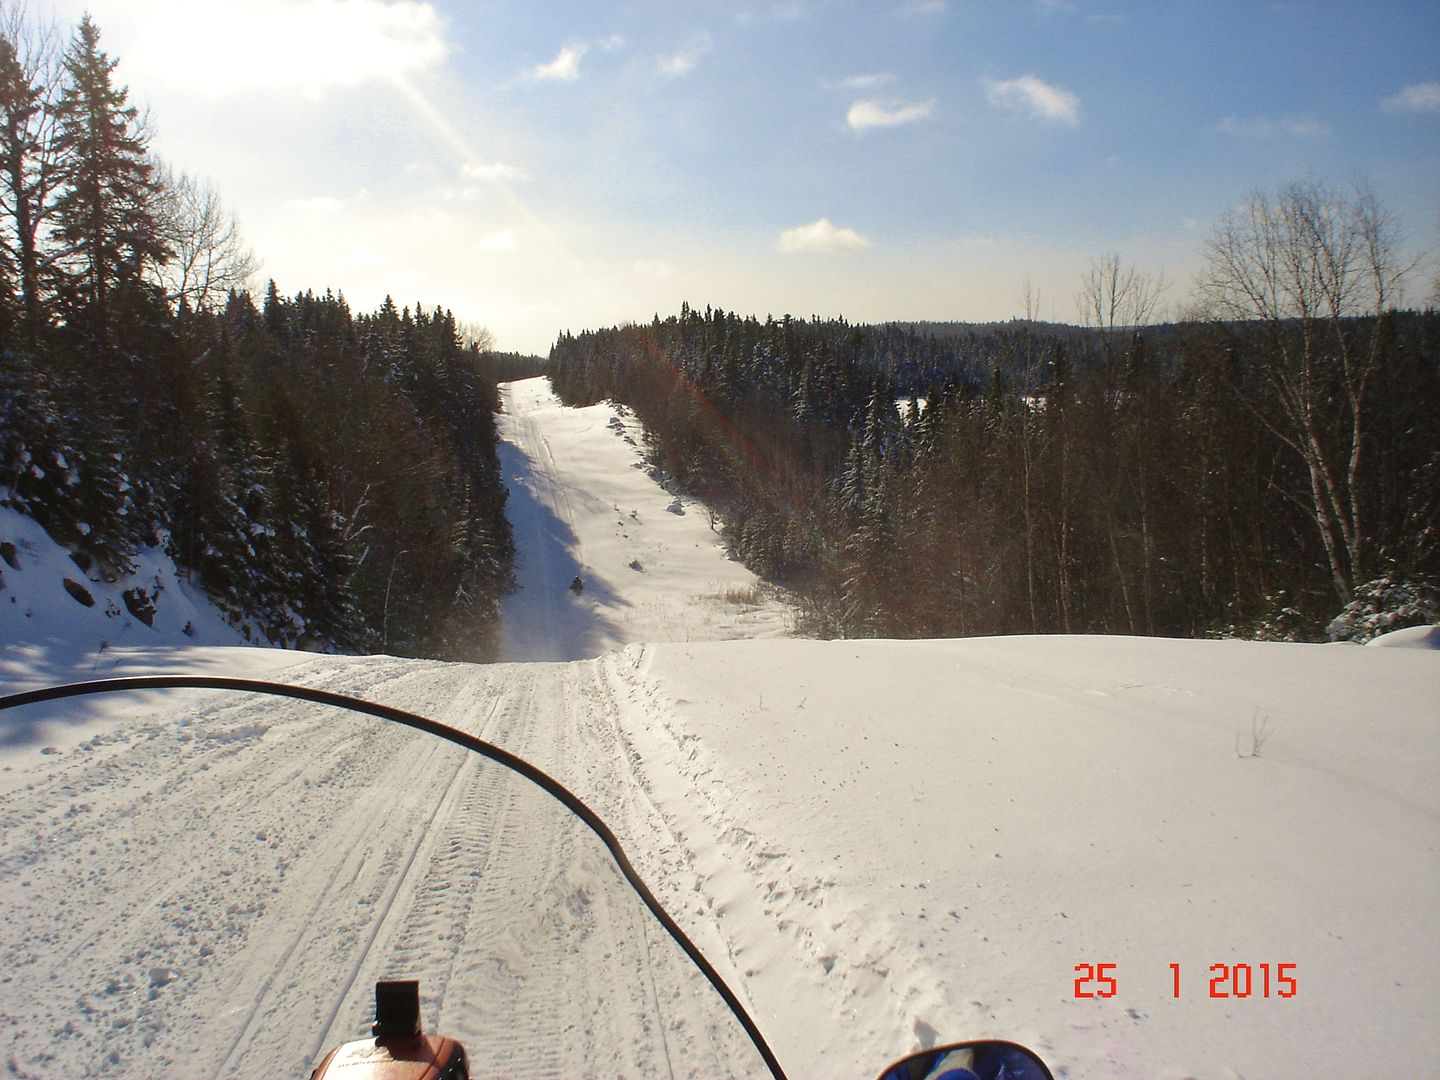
206,884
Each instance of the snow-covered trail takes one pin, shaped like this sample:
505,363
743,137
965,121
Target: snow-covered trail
213,892
582,504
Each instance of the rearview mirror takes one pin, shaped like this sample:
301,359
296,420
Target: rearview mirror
988,1059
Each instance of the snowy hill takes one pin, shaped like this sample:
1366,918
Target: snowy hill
582,505
63,622
879,844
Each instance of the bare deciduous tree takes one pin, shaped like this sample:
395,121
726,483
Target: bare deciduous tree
209,257
29,171
475,336
1114,299
1310,263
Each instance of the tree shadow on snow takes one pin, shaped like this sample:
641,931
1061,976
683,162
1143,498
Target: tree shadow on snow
542,619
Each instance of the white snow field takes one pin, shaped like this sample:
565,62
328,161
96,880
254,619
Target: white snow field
879,844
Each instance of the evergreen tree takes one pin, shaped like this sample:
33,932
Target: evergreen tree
105,214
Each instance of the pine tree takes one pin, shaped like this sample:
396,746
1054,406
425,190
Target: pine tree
105,214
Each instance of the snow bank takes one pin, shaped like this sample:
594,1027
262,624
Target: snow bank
59,624
39,609
1412,637
922,840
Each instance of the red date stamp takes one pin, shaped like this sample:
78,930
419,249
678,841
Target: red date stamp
1224,980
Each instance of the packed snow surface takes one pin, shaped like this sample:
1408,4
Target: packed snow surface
879,844
651,564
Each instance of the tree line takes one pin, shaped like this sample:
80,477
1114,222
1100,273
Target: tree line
330,478
1250,469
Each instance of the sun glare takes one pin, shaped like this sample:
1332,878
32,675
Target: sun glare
272,44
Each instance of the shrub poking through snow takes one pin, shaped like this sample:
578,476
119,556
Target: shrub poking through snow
1383,605
1279,621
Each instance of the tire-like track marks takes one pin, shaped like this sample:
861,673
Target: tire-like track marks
212,890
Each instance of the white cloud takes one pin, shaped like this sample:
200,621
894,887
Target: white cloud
564,68
1048,7
1034,96
684,61
495,171
285,44
821,237
613,42
1261,127
864,115
923,7
868,82
1418,97
504,240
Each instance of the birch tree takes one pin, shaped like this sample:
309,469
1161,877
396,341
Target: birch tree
1319,269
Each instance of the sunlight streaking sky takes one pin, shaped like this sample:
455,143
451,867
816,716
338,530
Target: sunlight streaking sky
539,165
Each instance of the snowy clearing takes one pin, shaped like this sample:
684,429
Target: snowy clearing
879,844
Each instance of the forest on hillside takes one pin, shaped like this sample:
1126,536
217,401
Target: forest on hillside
1254,470
329,478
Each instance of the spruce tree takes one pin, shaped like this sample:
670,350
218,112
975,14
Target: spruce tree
106,212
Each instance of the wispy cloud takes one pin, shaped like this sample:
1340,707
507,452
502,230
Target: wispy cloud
821,237
864,115
1035,97
868,82
566,65
287,44
1418,97
789,11
1264,127
922,7
496,171
564,68
685,60
1050,7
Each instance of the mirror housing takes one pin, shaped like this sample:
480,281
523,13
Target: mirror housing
979,1059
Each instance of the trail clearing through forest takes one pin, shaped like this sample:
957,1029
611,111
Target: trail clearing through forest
878,844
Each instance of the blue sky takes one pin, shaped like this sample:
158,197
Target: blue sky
537,166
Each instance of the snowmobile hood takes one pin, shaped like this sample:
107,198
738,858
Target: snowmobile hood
420,1057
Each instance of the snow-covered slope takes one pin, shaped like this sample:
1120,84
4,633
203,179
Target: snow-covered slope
880,844
60,622
582,504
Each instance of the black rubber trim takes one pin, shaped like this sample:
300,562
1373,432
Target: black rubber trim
567,798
